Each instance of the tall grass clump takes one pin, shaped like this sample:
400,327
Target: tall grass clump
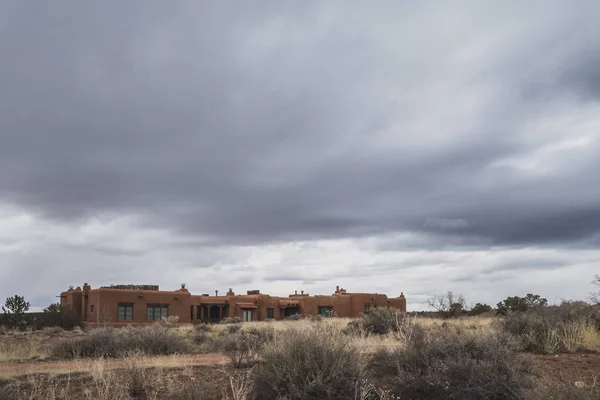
568,327
119,342
319,362
442,364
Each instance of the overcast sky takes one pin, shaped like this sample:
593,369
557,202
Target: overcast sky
384,147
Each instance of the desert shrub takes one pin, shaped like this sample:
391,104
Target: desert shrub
115,342
243,347
202,328
264,334
201,332
231,329
446,364
378,320
231,320
315,318
552,329
53,330
315,363
169,322
294,317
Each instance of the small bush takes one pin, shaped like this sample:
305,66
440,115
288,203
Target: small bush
53,330
243,347
264,334
115,342
233,328
379,321
201,332
447,364
202,328
315,363
294,317
231,320
552,329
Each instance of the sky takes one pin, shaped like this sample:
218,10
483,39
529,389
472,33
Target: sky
386,147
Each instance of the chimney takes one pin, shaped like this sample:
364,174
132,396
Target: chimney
216,292
302,291
295,292
337,288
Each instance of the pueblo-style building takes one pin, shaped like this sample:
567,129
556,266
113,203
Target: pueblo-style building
142,304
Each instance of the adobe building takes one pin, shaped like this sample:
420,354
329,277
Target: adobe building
143,304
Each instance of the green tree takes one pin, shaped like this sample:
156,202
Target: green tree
52,308
14,310
534,300
479,309
521,304
56,315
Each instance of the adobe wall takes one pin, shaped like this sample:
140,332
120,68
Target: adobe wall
100,306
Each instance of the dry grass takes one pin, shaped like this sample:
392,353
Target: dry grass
590,340
478,324
25,358
55,368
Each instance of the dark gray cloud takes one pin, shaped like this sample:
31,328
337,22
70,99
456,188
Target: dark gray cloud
463,127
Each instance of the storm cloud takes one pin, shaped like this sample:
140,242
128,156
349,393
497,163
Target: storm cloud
388,147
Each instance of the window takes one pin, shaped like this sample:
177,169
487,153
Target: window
325,311
199,313
92,308
247,315
157,311
125,312
367,306
270,313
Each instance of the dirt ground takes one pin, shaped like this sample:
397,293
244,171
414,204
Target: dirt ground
570,368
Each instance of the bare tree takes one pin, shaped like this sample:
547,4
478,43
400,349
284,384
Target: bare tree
595,296
448,305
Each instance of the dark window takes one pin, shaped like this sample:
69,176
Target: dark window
198,312
325,311
125,312
91,308
156,312
191,312
367,306
270,313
